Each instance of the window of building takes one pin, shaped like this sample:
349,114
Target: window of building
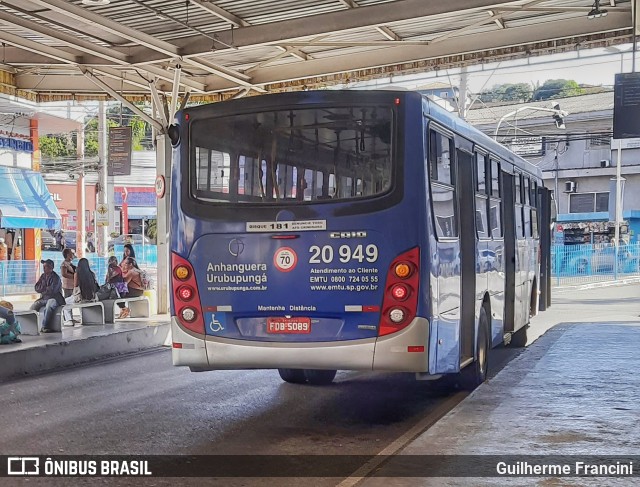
588,202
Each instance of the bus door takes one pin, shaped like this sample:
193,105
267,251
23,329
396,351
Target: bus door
508,206
468,247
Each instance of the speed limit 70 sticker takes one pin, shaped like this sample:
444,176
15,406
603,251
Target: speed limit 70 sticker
285,259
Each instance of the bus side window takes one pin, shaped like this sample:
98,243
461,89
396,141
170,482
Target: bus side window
495,179
495,218
481,197
442,189
534,223
440,158
518,181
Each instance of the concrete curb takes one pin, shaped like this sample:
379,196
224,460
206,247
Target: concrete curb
595,285
56,355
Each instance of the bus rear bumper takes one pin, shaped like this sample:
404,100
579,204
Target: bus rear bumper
405,351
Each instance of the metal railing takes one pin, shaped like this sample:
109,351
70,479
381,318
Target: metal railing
570,265
586,263
20,276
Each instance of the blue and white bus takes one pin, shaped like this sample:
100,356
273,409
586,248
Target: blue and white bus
348,230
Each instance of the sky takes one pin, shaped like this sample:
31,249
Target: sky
594,66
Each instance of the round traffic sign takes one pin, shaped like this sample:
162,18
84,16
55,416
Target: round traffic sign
285,259
160,186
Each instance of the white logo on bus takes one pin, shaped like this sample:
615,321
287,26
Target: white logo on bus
215,326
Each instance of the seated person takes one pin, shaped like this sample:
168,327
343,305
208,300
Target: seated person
133,277
84,289
9,326
49,286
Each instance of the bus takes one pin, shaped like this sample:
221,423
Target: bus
319,231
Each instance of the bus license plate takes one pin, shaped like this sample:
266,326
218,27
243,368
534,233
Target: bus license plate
289,325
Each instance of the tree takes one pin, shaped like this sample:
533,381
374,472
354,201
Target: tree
152,229
557,88
56,147
513,92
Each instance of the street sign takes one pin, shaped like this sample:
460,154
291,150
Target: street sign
119,151
102,215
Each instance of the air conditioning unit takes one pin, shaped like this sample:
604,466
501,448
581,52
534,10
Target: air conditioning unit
605,163
570,187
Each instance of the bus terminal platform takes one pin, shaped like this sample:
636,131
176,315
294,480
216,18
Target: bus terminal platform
575,391
79,344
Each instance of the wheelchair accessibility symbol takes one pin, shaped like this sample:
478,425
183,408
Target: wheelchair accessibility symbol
215,326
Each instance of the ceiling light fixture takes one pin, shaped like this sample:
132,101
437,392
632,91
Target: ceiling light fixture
596,11
96,2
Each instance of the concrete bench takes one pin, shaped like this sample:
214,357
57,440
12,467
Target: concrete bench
139,307
30,321
92,313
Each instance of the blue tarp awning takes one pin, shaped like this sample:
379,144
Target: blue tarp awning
25,201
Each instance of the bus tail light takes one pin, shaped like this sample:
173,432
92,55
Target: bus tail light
186,299
400,302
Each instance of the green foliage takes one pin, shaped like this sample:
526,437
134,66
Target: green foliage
55,147
152,229
557,88
512,92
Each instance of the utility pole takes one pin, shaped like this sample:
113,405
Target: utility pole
81,228
102,234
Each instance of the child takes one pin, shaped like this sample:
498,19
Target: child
9,327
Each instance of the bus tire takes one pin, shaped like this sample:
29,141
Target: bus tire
519,338
320,377
293,376
476,373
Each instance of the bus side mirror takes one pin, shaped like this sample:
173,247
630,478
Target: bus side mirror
174,134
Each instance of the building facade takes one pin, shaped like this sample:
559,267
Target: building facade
578,163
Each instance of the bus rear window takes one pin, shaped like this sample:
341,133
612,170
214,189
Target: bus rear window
301,155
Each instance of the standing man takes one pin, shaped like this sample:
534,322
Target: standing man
49,286
67,270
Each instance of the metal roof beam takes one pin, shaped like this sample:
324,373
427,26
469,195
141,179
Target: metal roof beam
332,22
511,37
226,73
71,41
220,13
385,31
88,72
108,25
36,47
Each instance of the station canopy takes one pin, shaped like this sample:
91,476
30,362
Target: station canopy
25,201
70,49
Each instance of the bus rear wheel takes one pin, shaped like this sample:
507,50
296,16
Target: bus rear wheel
320,377
476,373
293,376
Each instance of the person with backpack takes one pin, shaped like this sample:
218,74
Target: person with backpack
133,276
9,326
85,287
